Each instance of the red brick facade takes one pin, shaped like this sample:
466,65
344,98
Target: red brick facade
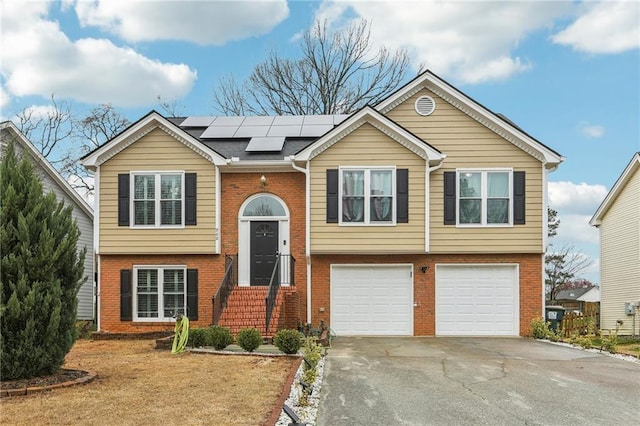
530,271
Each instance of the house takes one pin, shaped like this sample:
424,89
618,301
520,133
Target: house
576,299
618,218
422,215
82,212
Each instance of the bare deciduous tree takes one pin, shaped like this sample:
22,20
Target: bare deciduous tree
337,73
562,267
47,128
63,139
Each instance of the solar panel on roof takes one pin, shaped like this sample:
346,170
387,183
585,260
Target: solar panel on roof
252,131
284,130
197,121
288,120
228,121
258,120
214,131
318,119
265,144
315,129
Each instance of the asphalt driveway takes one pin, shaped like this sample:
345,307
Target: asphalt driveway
474,381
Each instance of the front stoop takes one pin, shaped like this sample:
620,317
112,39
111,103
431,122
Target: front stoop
246,309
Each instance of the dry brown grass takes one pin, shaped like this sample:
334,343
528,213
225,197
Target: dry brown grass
138,384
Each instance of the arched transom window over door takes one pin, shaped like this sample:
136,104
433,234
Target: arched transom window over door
263,231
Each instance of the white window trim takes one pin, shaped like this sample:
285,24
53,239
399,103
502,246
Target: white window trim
157,203
367,195
483,198
134,291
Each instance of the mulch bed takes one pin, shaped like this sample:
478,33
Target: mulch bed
61,378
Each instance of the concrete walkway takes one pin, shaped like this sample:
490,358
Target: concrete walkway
474,381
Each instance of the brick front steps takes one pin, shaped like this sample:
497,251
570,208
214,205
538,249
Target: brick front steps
246,309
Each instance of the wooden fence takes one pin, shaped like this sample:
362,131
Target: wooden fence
581,323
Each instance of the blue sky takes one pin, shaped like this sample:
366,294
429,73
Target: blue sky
568,73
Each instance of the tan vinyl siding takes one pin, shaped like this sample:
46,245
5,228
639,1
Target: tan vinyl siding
620,257
157,151
367,146
469,144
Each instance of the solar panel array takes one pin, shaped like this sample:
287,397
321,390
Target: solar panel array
267,133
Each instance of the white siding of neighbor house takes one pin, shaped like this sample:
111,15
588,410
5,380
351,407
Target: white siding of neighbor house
620,257
85,224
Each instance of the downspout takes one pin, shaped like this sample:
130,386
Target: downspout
427,204
96,246
545,232
307,236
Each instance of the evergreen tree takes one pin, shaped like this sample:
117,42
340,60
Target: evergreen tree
41,272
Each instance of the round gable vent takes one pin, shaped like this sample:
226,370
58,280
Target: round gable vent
425,105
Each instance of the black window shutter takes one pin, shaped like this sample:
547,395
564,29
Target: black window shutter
190,204
123,199
449,198
402,192
126,299
332,196
192,294
518,198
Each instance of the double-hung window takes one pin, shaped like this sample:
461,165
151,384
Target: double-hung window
158,199
485,197
367,195
159,292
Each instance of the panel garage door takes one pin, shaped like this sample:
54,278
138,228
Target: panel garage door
477,300
372,300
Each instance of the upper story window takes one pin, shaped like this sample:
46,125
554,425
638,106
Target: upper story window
484,197
160,293
158,199
367,196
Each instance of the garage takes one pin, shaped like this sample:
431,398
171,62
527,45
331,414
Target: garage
372,300
477,300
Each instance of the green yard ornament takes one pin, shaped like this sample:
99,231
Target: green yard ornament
182,335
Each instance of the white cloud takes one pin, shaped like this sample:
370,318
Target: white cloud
201,22
5,99
575,228
471,41
605,27
592,130
571,198
37,58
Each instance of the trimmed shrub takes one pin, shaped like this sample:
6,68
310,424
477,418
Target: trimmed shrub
288,341
249,339
197,338
219,337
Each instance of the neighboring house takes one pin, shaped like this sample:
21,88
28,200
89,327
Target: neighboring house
577,299
422,215
82,212
618,219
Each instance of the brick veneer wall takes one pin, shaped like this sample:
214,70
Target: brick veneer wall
236,188
210,270
530,272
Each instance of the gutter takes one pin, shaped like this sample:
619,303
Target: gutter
307,236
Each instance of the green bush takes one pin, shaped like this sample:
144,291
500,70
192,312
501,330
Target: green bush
288,341
249,339
312,352
610,342
539,328
41,271
218,337
197,337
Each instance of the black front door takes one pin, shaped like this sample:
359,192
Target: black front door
264,246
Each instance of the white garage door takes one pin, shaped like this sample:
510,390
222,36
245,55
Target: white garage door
372,300
477,300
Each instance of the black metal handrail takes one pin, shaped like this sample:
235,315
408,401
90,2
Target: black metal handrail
230,280
283,273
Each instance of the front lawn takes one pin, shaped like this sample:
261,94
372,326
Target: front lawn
137,384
